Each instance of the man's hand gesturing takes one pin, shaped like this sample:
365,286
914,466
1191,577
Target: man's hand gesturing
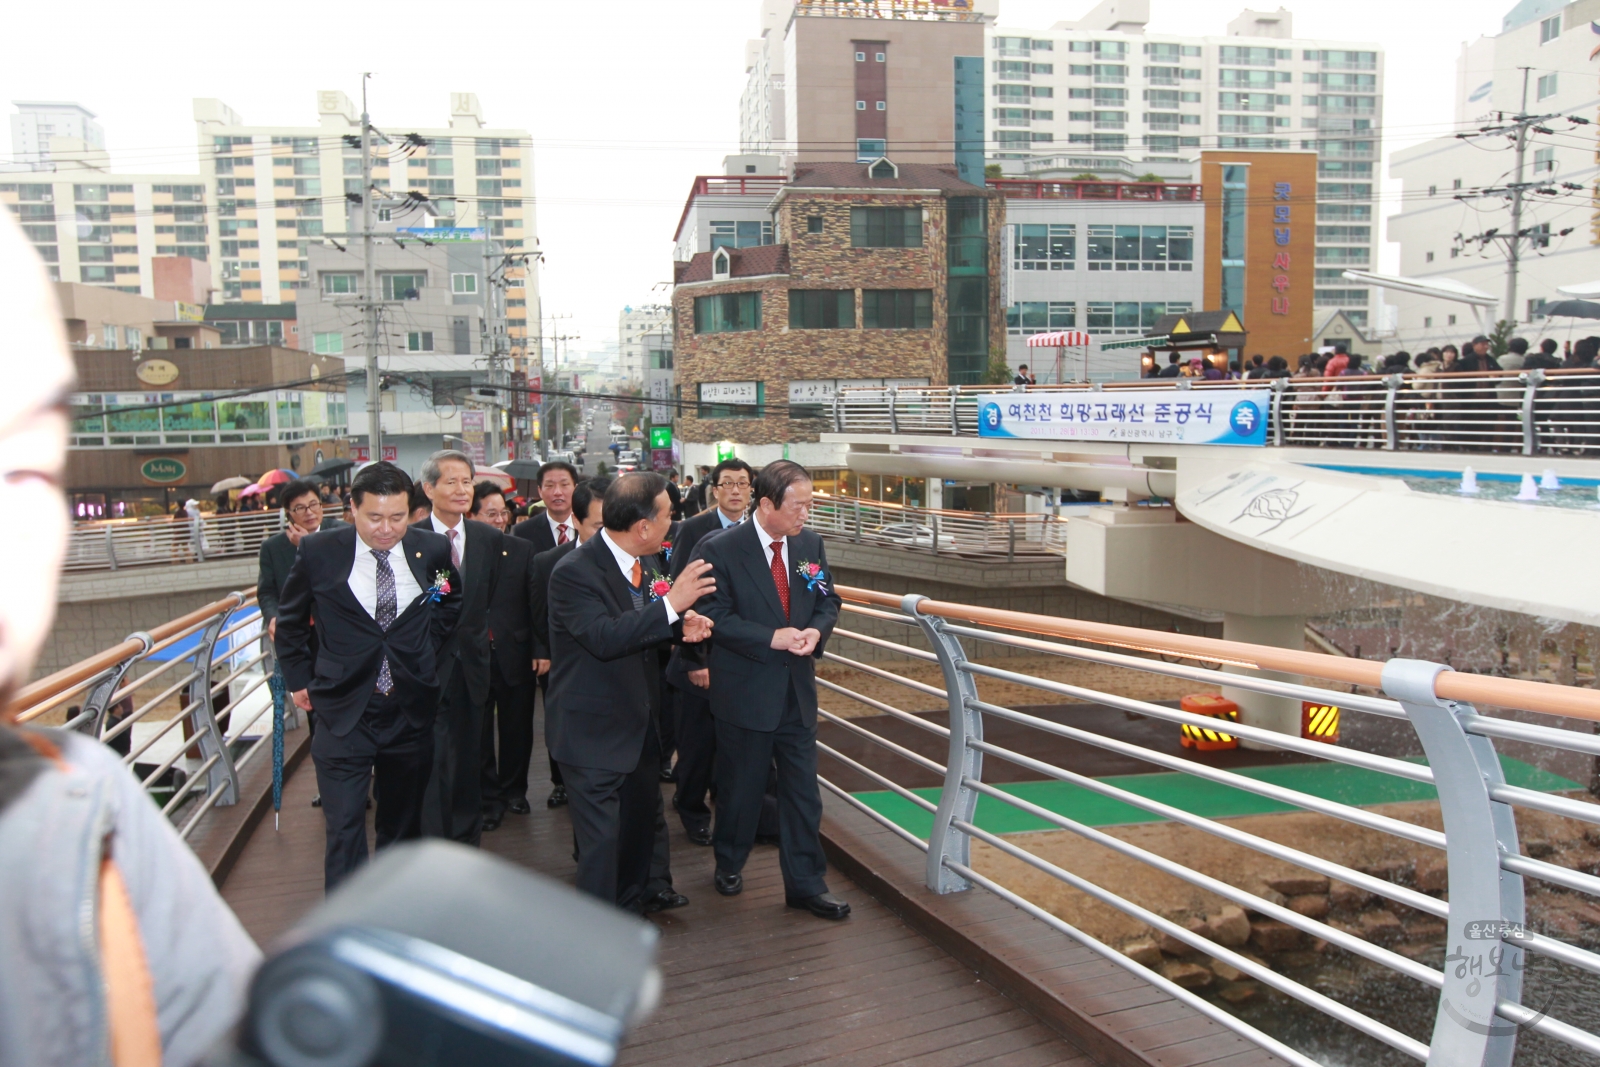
696,627
694,583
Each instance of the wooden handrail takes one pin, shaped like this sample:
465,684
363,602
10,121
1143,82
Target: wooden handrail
1544,697
68,678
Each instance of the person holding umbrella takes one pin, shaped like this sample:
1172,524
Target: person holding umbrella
302,512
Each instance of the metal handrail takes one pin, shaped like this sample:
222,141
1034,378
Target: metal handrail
115,544
1484,867
965,534
187,786
1531,412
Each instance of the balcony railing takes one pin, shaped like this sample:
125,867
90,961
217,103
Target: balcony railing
990,536
115,544
1533,412
1472,954
1024,189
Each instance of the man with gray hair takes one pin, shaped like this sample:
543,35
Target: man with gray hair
453,805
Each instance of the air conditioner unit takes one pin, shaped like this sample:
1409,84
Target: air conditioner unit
48,198
305,274
106,239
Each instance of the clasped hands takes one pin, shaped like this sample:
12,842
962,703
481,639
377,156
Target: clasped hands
796,642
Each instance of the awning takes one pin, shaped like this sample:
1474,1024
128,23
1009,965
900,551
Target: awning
1135,342
1059,339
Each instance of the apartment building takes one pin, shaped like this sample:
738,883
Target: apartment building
1110,86
638,328
273,191
38,122
1454,189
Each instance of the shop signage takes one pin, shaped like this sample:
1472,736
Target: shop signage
361,453
1192,417
728,393
157,372
163,469
443,233
661,437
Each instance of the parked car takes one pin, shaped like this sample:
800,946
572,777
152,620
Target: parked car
915,535
628,456
618,430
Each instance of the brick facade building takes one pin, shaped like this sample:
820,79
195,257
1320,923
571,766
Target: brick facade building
883,274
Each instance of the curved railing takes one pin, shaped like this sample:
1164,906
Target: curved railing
1487,941
115,544
1534,412
963,534
183,703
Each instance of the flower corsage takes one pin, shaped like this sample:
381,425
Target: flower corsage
666,551
658,586
440,586
814,576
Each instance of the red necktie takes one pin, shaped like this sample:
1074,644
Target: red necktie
561,533
780,577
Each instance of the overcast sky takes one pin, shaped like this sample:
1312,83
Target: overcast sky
626,100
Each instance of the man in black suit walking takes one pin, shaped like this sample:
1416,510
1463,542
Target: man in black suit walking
454,804
302,506
553,524
687,672
509,711
773,609
586,517
384,599
610,607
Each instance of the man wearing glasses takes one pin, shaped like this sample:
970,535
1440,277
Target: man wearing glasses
302,508
686,671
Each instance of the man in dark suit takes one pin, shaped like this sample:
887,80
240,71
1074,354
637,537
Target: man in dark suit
454,804
687,672
610,608
384,599
553,524
773,610
509,711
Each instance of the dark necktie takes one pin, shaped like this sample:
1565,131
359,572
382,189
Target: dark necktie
780,577
388,608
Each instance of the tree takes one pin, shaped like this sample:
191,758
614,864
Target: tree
999,371
992,170
1086,176
1500,337
1148,176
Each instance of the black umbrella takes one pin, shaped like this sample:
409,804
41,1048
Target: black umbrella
1571,309
520,468
328,468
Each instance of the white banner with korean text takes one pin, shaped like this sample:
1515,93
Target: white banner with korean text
1194,417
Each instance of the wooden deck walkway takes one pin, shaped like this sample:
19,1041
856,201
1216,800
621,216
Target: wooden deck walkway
747,980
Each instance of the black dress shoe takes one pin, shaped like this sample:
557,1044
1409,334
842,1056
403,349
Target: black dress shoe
700,835
491,821
665,900
557,798
823,905
519,806
728,883
666,773
316,801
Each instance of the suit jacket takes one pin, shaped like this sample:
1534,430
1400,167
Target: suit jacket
277,556
751,680
604,667
543,565
341,670
511,612
536,528
691,535
468,647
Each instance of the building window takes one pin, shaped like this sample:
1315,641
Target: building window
822,309
880,57
1544,160
1428,258
886,227
1037,316
727,313
861,57
1235,193
419,341
338,284
464,284
328,344
1550,29
1547,86
897,309
870,148
881,105
403,286
1132,248
1041,247
861,105
740,234
813,223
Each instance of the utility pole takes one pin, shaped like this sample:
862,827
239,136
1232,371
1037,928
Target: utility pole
1514,246
491,337
369,283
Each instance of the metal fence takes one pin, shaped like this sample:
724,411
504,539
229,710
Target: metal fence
184,704
1487,940
117,543
1535,412
969,535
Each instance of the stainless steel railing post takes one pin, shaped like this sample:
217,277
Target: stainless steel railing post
1279,387
98,700
1486,902
957,800
894,419
1391,429
1531,380
111,547
955,417
222,779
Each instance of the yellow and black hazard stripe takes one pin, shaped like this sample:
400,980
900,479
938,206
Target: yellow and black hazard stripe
1319,722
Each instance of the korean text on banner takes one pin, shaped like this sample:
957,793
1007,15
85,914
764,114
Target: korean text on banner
1193,417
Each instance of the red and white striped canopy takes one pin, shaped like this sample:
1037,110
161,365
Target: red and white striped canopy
1059,339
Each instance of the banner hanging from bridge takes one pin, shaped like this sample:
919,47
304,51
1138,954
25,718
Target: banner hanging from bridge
1191,417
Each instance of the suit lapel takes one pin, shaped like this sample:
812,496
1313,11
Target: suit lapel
615,583
343,565
755,558
419,570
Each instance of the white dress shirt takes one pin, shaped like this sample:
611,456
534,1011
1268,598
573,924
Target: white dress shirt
625,564
444,531
364,578
766,548
555,527
727,522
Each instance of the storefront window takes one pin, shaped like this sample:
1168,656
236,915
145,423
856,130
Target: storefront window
141,427
247,419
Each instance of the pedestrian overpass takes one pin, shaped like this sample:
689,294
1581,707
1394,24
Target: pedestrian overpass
1042,871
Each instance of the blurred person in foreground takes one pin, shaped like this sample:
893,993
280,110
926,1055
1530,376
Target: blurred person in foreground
116,947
